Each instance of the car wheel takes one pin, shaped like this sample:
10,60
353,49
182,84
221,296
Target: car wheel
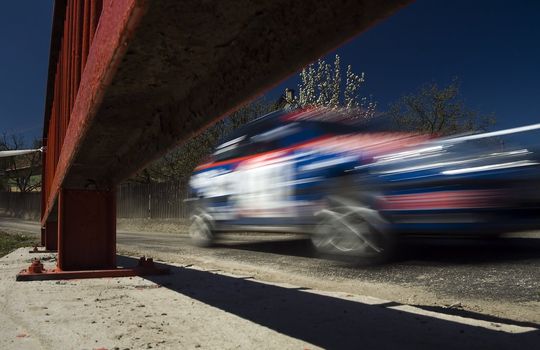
346,228
201,229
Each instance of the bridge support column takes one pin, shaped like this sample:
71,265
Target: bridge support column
87,240
49,238
86,230
51,235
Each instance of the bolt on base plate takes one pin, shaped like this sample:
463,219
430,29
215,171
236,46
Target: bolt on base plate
37,250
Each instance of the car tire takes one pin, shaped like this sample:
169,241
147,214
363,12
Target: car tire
348,229
201,229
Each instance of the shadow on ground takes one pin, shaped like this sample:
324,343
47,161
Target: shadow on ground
463,251
331,322
436,250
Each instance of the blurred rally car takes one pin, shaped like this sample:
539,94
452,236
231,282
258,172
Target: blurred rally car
354,186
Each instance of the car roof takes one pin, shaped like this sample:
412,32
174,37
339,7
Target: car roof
266,121
284,116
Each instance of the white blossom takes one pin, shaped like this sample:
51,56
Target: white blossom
322,86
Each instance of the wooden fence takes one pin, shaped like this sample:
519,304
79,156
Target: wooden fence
149,201
152,201
21,205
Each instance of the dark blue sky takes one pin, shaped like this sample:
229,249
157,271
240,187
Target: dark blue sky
24,52
491,46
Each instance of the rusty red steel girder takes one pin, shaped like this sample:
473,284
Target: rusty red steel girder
129,79
117,24
79,22
81,224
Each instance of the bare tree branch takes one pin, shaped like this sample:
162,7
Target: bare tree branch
437,110
23,171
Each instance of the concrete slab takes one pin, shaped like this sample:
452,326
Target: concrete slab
197,308
118,313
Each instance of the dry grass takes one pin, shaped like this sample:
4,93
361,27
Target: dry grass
9,242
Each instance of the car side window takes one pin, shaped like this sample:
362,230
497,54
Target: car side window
253,139
270,139
230,149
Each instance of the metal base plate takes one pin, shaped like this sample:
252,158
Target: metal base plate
36,272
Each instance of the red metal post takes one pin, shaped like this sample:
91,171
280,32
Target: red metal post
49,238
85,36
78,46
43,197
95,13
51,235
86,240
64,92
86,230
42,237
